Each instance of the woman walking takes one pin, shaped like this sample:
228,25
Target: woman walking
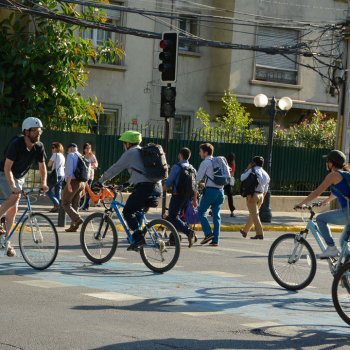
228,189
90,156
57,163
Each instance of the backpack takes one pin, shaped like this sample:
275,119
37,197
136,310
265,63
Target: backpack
249,185
154,161
186,184
221,171
82,171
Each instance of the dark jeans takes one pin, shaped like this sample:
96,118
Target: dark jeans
54,193
176,205
228,192
144,193
87,203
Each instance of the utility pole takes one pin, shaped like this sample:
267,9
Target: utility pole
343,121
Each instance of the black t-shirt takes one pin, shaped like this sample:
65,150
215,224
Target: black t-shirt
22,158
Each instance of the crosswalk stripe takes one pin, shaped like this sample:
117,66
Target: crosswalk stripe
221,274
114,296
43,283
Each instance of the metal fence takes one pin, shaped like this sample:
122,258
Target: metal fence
295,170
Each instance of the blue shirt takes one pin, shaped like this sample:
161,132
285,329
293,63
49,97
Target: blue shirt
343,187
71,165
174,174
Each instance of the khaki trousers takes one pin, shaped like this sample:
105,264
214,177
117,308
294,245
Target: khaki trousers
254,203
70,200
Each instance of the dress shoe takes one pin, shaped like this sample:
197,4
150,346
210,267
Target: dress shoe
207,239
257,237
72,228
190,238
213,244
244,234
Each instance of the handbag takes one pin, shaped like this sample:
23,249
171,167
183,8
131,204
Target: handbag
232,181
52,178
191,214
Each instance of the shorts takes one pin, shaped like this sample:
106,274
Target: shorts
5,188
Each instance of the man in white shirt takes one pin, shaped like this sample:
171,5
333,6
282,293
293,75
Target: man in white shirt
213,196
255,200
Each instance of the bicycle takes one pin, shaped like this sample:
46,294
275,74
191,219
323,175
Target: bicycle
38,238
99,238
292,261
104,196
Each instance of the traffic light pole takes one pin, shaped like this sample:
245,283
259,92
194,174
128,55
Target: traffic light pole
166,147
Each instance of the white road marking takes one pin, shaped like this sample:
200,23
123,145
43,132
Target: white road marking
43,283
201,314
114,296
221,274
275,284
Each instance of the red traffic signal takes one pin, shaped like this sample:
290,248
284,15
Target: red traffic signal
168,66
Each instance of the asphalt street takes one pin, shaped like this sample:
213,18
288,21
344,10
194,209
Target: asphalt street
215,298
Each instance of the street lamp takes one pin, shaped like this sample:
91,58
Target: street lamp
284,104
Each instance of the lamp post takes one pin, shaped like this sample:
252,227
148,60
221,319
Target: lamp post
283,105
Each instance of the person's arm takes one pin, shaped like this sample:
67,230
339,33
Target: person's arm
329,199
9,176
94,162
43,176
329,180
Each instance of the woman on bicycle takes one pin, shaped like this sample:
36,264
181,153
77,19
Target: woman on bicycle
335,164
90,156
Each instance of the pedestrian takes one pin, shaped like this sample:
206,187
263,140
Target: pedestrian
212,196
228,189
182,180
90,156
56,163
255,200
146,192
21,153
72,190
335,179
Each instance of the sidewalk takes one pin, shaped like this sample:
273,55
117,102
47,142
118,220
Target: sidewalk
281,221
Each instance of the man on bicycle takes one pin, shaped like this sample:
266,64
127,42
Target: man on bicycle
145,190
20,155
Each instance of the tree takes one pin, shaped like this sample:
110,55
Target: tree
233,126
44,70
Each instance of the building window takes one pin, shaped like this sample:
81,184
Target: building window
181,127
276,68
107,123
99,36
190,26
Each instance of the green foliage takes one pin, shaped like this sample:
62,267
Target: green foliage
45,68
233,126
317,131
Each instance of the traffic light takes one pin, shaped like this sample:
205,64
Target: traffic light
167,102
168,56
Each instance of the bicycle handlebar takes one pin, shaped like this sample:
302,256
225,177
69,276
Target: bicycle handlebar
307,207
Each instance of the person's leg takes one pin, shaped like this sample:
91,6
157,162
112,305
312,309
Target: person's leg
204,204
344,237
77,189
58,189
67,202
216,206
256,219
335,217
251,206
87,202
175,206
51,195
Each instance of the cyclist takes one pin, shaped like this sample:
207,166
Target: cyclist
20,154
146,193
335,160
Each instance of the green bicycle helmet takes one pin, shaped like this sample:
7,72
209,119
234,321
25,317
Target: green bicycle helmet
131,136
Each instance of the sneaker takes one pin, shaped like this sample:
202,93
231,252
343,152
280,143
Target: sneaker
207,239
10,251
213,244
232,215
330,252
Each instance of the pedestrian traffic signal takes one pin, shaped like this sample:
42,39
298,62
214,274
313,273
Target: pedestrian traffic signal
167,102
168,56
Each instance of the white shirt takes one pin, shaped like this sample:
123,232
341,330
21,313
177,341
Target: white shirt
263,178
206,170
58,162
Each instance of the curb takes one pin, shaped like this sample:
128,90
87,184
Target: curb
281,228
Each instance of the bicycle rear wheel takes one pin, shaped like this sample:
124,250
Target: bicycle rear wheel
341,292
292,262
98,238
162,248
38,241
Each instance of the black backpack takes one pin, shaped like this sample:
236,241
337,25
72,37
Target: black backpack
82,171
154,161
248,186
186,184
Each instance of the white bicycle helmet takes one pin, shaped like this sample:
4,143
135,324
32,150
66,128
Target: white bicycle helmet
31,122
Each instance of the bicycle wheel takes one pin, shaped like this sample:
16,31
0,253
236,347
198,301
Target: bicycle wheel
108,199
38,241
341,292
162,248
98,238
292,262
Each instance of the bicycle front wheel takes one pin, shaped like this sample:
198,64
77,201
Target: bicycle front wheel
38,241
292,262
98,238
341,292
162,248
